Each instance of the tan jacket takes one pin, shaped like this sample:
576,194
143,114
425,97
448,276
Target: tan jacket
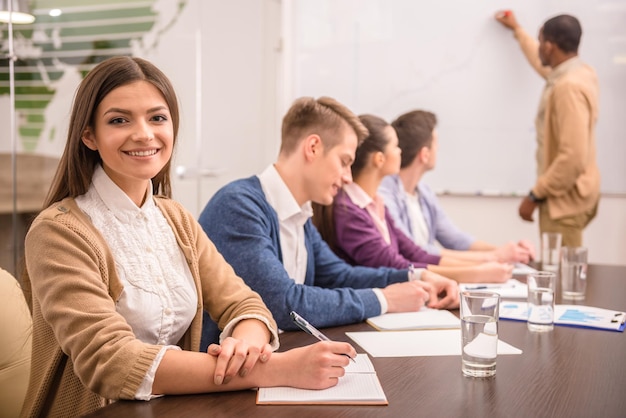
569,176
84,352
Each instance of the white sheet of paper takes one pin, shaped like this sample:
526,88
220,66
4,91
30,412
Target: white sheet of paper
423,319
513,288
417,343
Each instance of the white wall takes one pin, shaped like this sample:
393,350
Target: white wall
222,58
495,219
242,102
452,57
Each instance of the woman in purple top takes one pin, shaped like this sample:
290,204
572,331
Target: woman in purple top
360,230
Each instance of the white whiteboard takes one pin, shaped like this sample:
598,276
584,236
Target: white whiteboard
451,57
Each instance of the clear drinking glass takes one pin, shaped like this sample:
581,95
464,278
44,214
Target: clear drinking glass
550,251
573,273
479,313
541,287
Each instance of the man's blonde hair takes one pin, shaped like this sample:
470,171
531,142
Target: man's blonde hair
324,116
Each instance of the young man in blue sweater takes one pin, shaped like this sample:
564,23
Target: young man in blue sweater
262,227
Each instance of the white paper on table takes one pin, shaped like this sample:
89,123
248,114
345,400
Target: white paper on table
482,346
512,288
425,318
417,343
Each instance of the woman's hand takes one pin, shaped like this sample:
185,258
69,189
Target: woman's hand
315,366
236,357
239,353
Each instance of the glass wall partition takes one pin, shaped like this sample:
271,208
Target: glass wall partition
221,57
52,55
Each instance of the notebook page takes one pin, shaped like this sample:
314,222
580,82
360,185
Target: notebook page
360,385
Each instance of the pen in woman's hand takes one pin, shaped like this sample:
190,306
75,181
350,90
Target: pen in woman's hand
310,329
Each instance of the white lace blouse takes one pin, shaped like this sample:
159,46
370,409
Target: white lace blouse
159,298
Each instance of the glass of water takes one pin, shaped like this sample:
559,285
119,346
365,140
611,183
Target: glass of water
541,286
573,273
479,313
550,251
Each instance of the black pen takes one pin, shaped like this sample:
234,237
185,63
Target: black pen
310,329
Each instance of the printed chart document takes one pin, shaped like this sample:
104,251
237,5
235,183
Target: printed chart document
511,289
442,342
571,315
424,319
359,386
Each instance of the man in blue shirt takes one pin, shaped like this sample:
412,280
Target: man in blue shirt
262,227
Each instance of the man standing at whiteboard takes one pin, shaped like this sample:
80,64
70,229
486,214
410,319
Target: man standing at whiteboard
567,189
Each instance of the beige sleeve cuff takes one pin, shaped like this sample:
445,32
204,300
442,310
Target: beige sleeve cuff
144,392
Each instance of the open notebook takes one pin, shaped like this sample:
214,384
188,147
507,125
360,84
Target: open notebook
359,386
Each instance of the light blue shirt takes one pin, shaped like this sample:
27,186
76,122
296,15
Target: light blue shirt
440,227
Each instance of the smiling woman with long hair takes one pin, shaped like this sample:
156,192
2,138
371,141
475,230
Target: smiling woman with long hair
118,274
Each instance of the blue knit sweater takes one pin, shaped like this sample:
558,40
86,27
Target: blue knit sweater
245,229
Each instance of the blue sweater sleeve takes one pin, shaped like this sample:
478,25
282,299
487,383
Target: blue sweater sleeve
332,272
245,230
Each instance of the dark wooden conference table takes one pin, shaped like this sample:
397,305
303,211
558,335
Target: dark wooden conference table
569,372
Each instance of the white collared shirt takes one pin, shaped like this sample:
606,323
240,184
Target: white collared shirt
291,219
416,217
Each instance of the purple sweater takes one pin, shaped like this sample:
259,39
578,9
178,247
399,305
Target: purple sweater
360,243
